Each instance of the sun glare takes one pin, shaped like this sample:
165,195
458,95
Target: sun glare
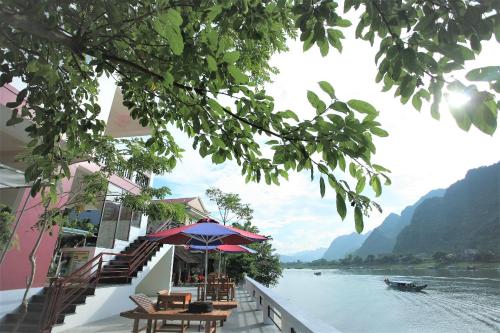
456,99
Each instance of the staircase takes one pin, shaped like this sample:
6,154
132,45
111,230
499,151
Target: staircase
61,298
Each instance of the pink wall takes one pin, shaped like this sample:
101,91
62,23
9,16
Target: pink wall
7,94
16,268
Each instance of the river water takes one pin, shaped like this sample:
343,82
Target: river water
359,301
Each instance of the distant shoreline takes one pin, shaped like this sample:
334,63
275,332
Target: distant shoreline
467,266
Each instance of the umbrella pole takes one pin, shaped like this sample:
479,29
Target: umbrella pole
220,258
206,273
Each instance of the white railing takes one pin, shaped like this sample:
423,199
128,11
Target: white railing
282,313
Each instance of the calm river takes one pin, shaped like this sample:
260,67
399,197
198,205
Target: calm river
358,301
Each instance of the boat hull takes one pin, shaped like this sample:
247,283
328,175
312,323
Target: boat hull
405,286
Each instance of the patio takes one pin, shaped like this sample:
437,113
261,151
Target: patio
246,318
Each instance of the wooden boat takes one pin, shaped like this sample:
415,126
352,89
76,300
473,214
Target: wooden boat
317,273
404,285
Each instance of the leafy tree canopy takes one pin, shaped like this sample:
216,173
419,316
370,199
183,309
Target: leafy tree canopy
263,266
231,209
201,66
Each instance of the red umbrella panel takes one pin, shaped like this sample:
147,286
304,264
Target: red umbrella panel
207,232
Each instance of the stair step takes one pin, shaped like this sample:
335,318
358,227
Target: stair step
29,318
23,328
37,299
115,280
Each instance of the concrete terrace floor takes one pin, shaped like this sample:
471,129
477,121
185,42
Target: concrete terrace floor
246,319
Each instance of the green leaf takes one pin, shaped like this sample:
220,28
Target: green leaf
231,57
214,105
362,106
435,110
289,114
327,87
14,119
168,26
352,169
340,106
376,186
237,74
323,46
334,37
461,117
341,207
484,117
360,185
322,186
489,73
417,102
379,132
410,60
313,99
213,12
358,220
343,23
22,95
212,64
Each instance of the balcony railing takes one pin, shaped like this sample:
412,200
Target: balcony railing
282,313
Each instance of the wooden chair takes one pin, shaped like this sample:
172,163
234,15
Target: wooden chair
224,290
146,305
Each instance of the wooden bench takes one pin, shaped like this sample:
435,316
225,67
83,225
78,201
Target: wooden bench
146,306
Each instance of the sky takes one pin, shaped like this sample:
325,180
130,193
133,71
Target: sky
422,153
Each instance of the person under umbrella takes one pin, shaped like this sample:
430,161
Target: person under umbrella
206,232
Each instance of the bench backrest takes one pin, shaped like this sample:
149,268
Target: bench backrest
144,303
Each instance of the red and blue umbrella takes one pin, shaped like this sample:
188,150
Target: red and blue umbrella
206,232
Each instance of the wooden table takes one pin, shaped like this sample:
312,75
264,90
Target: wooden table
210,318
167,300
201,286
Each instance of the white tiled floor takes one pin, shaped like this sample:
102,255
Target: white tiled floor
246,319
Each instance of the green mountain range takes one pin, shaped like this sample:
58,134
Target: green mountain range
383,238
466,217
344,245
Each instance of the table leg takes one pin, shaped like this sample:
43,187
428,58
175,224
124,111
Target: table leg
208,326
136,326
148,329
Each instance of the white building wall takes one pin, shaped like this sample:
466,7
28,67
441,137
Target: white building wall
160,276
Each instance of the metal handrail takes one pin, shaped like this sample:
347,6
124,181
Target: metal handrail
62,292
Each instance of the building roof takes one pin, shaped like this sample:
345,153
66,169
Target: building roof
179,200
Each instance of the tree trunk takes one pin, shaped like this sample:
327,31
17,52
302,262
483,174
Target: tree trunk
13,232
29,282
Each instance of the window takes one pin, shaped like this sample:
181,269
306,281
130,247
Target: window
136,219
110,214
123,228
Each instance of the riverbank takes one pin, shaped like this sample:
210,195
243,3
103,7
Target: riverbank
466,265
